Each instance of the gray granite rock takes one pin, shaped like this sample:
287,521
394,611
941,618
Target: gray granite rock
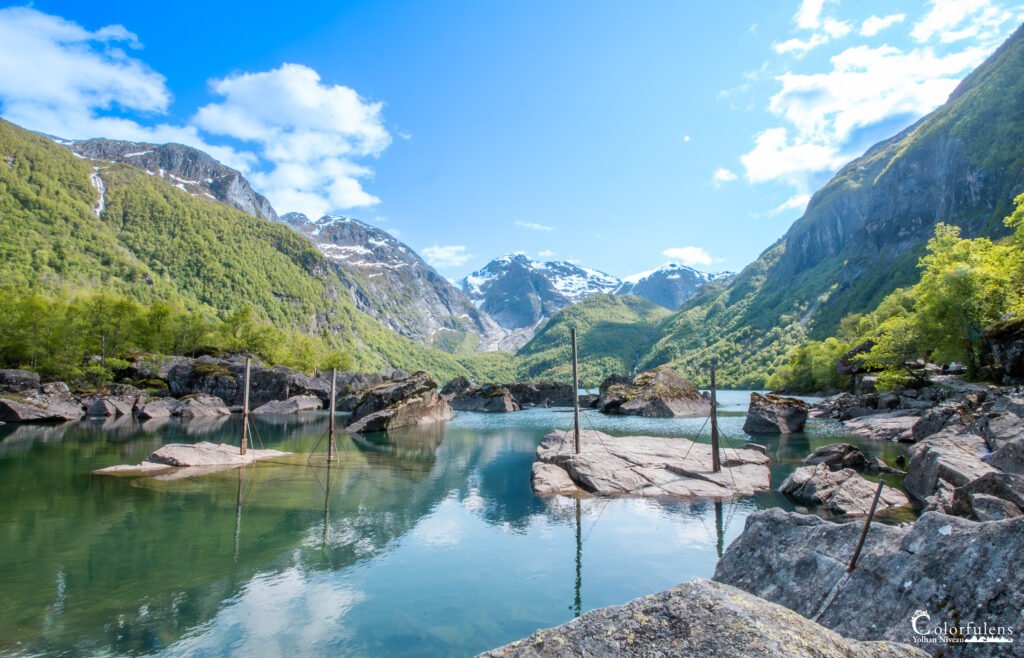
698,618
955,570
657,393
293,405
842,493
949,456
18,381
39,409
775,414
201,406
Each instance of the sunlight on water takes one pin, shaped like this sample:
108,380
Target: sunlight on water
426,542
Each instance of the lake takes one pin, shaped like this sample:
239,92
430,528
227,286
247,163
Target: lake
425,542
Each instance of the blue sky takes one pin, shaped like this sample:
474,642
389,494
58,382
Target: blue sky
619,135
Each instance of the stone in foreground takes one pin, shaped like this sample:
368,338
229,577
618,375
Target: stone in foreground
652,466
957,571
843,492
658,393
182,455
698,618
774,414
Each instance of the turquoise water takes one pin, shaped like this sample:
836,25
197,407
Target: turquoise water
425,542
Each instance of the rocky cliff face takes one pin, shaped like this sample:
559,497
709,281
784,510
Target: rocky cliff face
520,293
389,281
670,285
182,166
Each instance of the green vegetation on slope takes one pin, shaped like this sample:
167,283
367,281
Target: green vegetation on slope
155,243
966,286
612,332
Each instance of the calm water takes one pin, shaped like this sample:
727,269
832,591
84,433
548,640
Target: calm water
427,542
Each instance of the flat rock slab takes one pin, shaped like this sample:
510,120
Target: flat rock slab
182,455
649,466
698,618
843,492
889,426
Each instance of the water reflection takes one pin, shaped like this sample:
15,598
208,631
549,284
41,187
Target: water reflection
421,542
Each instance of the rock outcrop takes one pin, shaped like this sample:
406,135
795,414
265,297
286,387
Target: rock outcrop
1005,343
649,466
838,456
658,393
955,570
413,400
201,406
39,409
293,405
489,397
698,618
944,461
542,394
842,493
775,414
18,381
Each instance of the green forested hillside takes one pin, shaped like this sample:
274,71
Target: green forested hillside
613,331
153,242
863,233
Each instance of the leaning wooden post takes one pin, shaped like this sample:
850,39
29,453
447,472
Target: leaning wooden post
867,524
716,460
245,407
334,392
575,393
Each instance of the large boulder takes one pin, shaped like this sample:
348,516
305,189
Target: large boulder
939,570
991,497
412,400
202,406
1005,343
842,493
39,409
159,408
542,394
774,414
944,461
658,393
18,381
698,618
489,397
293,405
895,425
456,387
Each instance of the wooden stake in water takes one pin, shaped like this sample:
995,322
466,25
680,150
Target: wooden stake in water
716,461
575,393
331,448
578,601
867,524
245,407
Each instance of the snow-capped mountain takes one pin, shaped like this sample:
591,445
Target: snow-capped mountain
520,293
669,285
389,281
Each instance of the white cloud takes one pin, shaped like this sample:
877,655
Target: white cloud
808,16
533,226
546,253
309,132
686,138
795,202
722,175
955,20
775,156
800,47
691,256
836,29
872,25
449,256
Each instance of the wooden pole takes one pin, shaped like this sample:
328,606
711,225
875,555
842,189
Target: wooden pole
238,511
716,460
245,407
575,393
334,392
327,508
867,524
719,528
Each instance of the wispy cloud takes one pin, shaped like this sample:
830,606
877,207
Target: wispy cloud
872,25
533,226
447,256
547,253
689,255
722,176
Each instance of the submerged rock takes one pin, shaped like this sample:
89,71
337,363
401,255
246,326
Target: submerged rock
293,405
658,393
774,414
956,571
412,400
698,618
193,458
843,492
651,466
